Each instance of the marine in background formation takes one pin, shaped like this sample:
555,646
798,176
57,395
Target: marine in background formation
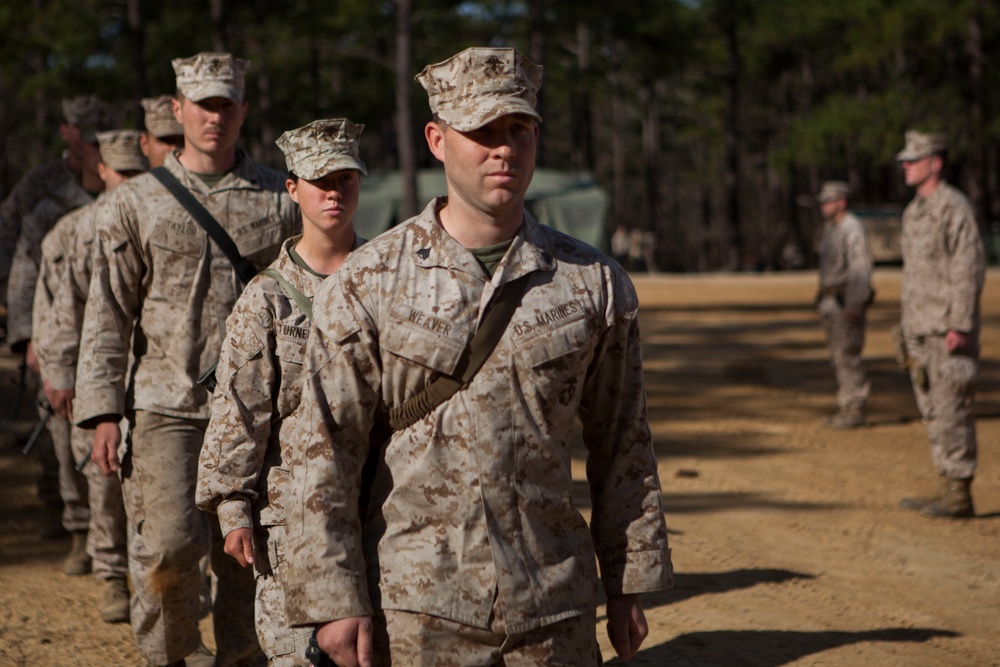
67,182
160,281
943,273
164,133
60,297
845,292
39,199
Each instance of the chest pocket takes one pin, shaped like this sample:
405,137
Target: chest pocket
432,351
290,337
180,236
259,235
555,343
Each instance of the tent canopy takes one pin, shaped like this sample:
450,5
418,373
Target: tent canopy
569,202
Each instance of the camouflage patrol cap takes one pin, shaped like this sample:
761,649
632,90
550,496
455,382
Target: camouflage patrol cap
479,85
120,150
160,120
921,144
210,75
89,114
832,191
322,147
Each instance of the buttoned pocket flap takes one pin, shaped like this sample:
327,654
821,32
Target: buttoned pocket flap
555,343
183,237
426,349
258,235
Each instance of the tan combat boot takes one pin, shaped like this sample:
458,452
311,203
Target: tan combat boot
953,500
115,603
955,503
77,562
916,504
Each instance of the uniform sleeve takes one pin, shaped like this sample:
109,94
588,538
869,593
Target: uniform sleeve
966,265
326,576
112,306
243,405
69,296
24,270
51,276
15,207
627,523
857,288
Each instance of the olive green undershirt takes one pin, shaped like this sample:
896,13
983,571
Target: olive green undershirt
490,256
211,180
301,263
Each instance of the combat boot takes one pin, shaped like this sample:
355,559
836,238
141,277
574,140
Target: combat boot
917,504
77,562
849,418
115,603
955,503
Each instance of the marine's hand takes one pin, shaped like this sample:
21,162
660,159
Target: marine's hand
30,359
239,545
347,641
956,341
107,438
61,400
627,626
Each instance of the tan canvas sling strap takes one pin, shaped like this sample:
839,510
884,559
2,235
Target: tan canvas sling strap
244,269
475,355
301,300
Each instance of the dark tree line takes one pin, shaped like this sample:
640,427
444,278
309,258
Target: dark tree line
710,122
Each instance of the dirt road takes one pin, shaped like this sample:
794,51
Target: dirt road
788,546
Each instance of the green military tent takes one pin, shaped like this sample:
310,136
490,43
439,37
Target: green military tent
570,202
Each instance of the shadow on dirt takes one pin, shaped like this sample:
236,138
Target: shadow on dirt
694,584
695,503
694,369
767,648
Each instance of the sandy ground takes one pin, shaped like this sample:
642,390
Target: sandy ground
788,547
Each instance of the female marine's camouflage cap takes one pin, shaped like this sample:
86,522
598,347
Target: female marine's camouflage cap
322,147
120,150
160,120
479,85
211,75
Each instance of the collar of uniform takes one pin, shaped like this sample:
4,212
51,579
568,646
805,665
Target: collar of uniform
286,266
527,253
243,176
438,248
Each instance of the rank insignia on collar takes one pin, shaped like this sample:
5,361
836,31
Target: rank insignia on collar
424,253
